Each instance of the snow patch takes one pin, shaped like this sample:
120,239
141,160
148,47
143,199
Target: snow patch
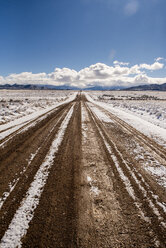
11,127
101,115
84,118
93,189
151,130
159,172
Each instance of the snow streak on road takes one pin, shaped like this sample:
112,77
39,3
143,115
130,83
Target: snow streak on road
24,214
78,177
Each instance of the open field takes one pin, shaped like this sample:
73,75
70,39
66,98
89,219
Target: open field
17,103
149,105
89,170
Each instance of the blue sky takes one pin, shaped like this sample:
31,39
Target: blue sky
38,36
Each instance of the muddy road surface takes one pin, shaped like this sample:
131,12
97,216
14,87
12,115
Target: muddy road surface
71,179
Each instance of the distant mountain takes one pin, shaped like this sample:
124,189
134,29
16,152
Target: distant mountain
159,87
52,87
102,88
20,87
36,87
96,88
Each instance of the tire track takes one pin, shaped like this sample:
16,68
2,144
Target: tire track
146,203
14,165
12,127
55,220
17,139
12,203
23,127
12,184
127,135
102,222
43,173
151,144
20,222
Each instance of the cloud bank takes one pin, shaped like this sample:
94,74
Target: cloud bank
120,74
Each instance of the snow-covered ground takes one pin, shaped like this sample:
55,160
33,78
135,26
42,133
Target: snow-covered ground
150,106
31,114
18,103
147,116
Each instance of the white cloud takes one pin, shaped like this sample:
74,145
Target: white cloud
63,75
154,66
2,80
120,63
120,74
26,78
159,58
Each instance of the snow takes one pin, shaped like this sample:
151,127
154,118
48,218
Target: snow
159,172
151,165
126,181
16,104
102,116
128,184
151,111
146,127
7,193
20,222
93,189
12,126
83,122
13,184
89,179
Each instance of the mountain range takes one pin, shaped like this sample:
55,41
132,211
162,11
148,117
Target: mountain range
156,87
159,87
36,87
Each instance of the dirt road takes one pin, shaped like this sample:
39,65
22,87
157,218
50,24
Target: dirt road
72,180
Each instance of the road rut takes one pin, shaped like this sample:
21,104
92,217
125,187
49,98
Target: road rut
90,190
